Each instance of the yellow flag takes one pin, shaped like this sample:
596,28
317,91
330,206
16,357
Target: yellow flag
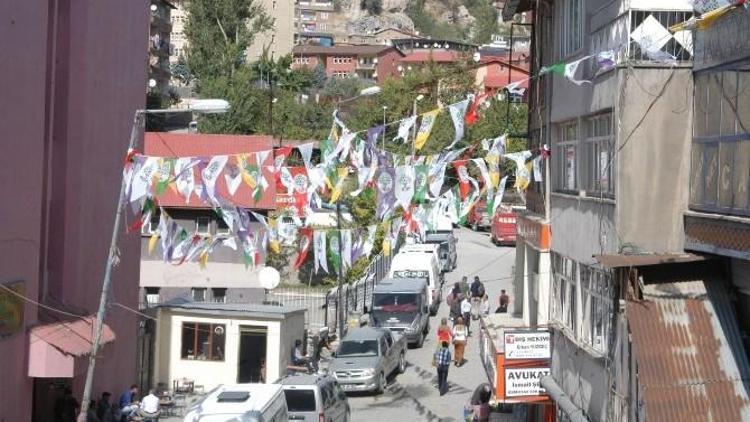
203,260
152,242
341,172
386,247
428,121
275,246
523,177
705,21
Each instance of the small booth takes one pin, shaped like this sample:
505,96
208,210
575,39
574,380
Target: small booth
515,358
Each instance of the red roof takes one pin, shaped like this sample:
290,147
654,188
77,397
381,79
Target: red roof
501,81
438,56
72,337
164,144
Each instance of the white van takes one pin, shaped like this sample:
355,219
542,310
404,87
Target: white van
420,264
241,402
427,248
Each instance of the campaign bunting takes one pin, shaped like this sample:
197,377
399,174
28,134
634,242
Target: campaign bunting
305,241
458,113
462,171
320,250
404,185
184,176
346,248
305,150
428,121
404,128
497,201
386,195
420,182
333,248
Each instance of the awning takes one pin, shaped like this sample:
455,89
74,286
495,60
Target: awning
54,347
574,413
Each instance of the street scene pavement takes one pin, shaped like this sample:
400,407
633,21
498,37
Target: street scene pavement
413,395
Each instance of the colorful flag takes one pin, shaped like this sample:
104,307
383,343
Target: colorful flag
606,60
333,250
211,174
523,170
462,171
472,115
374,134
538,168
404,128
385,186
341,174
437,176
572,67
164,174
346,248
280,155
184,176
458,114
305,240
420,182
404,185
428,121
143,173
497,201
321,252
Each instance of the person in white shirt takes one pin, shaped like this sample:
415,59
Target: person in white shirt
466,313
150,405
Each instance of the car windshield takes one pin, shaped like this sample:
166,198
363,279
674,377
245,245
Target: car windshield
395,302
358,348
300,400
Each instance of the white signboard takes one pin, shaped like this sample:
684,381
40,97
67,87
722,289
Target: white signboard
527,345
524,381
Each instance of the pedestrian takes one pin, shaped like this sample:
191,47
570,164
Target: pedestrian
128,402
464,286
66,407
150,406
364,319
460,333
486,305
444,332
104,408
504,301
480,403
477,293
455,303
466,308
91,412
442,361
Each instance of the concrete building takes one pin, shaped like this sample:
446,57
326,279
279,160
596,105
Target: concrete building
614,284
227,278
280,39
178,41
315,22
384,36
73,75
373,62
160,31
219,343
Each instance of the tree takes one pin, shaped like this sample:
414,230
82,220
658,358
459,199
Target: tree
181,71
375,7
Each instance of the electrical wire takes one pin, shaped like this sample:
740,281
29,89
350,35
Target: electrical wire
41,305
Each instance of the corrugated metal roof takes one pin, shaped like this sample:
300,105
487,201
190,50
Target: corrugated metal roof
341,49
167,144
438,56
617,261
691,363
248,309
71,337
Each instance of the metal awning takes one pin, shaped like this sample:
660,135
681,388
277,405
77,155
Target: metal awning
642,260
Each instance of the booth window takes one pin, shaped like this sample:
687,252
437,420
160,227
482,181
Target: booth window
203,341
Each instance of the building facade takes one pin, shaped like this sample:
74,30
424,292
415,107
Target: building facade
370,62
313,18
159,48
616,184
76,77
178,40
279,40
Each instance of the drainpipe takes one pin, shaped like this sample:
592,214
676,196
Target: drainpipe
573,412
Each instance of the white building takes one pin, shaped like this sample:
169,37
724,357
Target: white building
221,343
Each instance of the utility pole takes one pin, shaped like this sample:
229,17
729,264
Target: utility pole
414,127
339,271
382,145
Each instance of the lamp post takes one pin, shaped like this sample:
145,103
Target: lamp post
382,146
373,90
211,106
414,128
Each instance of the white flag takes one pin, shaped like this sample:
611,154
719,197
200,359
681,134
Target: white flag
538,169
211,173
458,112
404,189
499,195
184,176
437,176
305,151
346,248
498,145
142,178
370,241
404,128
572,67
321,257
233,177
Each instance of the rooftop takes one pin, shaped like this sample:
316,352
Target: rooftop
341,49
232,309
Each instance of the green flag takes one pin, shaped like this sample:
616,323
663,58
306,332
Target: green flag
558,68
333,248
420,183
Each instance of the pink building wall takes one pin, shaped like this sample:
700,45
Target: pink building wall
73,72
387,65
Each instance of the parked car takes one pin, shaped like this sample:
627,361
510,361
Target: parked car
447,249
365,357
503,231
246,402
400,305
478,219
315,398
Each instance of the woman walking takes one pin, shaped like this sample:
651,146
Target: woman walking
444,332
459,341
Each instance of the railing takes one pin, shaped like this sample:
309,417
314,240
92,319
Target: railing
302,297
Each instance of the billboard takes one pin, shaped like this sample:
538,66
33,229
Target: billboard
524,381
527,345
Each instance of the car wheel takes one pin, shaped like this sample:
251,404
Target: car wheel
402,362
381,384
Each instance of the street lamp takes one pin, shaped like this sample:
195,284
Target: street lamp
209,106
419,98
383,140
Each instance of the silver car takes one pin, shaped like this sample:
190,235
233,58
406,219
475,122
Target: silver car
315,398
365,357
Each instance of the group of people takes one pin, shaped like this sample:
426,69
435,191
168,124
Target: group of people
102,410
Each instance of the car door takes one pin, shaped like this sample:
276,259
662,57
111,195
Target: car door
391,351
340,405
385,356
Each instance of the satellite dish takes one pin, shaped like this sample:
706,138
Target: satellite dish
477,57
269,278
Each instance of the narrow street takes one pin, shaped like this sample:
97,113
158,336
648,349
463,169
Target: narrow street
413,396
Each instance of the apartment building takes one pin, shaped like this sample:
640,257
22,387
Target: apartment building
372,62
601,252
73,78
316,22
227,279
278,40
159,47
178,40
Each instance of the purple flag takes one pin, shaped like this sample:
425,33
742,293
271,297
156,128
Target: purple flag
374,134
386,196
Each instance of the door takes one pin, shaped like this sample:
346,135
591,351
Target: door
341,402
251,366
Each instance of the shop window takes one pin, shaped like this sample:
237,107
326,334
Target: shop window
202,341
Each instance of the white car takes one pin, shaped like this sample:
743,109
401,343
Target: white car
241,403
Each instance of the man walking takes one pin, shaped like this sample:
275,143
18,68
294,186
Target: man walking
477,293
442,360
504,301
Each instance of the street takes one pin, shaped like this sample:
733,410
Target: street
413,395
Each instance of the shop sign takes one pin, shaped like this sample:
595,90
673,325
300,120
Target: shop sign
524,381
527,345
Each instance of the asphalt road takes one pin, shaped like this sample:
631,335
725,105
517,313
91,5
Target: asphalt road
413,396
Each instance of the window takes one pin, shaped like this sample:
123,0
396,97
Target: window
323,15
203,225
564,307
221,226
199,294
572,27
300,400
203,341
566,157
219,294
152,296
597,296
601,162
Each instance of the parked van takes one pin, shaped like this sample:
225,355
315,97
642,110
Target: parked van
446,243
401,305
314,398
245,402
423,248
418,264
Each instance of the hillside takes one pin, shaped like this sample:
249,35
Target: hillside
462,20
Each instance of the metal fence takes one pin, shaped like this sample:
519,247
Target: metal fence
357,295
303,297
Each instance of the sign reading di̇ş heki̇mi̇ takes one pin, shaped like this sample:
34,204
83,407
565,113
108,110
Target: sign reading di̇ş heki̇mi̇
524,381
527,345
